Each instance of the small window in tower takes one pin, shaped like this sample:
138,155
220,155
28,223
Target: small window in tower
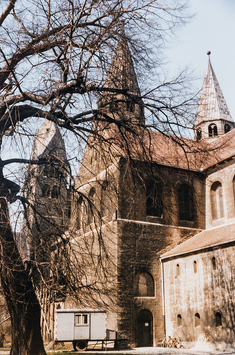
130,106
199,134
179,320
55,192
197,320
212,130
218,319
227,128
45,190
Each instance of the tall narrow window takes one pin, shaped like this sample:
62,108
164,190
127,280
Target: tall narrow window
179,320
218,319
195,267
213,263
186,205
177,272
197,320
154,205
212,130
217,203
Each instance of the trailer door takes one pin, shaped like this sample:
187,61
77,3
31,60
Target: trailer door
98,326
64,326
81,326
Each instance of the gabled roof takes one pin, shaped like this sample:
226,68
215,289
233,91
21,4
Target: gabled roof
209,238
148,145
212,105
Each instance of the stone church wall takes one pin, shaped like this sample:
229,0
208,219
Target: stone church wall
142,239
199,296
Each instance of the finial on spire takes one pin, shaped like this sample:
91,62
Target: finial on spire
209,53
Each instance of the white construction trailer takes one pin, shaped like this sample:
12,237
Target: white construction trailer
81,326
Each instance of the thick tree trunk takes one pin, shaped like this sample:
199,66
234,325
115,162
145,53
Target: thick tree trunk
19,292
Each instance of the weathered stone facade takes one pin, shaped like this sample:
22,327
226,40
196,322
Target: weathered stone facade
143,197
199,294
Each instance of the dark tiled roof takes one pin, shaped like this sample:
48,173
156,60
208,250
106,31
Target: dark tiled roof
203,240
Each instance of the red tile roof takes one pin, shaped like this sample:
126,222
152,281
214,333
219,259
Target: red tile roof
205,239
149,145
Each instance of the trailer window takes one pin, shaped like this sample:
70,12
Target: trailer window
81,319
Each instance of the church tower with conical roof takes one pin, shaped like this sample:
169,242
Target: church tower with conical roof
213,117
46,190
123,100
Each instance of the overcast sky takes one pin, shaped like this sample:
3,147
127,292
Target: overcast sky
212,28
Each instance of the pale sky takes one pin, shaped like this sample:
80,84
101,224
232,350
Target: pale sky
211,29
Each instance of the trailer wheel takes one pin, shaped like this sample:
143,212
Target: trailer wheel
79,344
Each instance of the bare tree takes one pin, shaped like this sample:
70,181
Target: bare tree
54,60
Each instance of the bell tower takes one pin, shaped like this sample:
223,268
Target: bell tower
213,118
46,191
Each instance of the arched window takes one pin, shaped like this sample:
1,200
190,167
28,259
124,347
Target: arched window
213,263
45,190
218,319
217,203
227,128
55,192
79,213
199,134
144,284
186,205
90,211
179,320
197,320
195,267
212,130
154,205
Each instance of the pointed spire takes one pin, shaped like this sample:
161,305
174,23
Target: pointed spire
48,140
212,106
122,76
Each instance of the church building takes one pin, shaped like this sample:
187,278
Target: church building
165,212
162,204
